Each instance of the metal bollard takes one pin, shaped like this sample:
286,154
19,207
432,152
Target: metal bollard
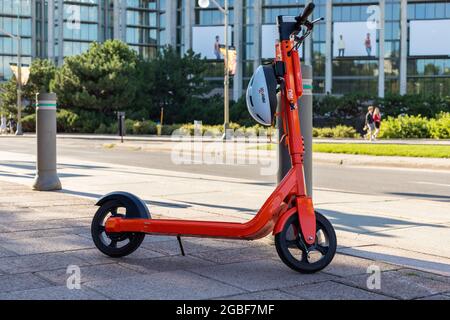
122,127
46,175
306,121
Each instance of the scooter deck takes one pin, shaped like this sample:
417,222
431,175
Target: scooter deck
255,229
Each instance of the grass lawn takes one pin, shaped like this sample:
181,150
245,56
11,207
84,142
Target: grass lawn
400,150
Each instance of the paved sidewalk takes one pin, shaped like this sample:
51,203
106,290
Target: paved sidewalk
41,234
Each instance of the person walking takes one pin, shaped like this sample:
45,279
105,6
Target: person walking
2,124
370,124
341,46
217,48
368,45
11,124
377,121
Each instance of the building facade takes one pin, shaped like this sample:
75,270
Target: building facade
395,62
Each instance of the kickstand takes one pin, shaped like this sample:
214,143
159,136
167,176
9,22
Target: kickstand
181,245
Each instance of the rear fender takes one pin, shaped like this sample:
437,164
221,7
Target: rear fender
135,207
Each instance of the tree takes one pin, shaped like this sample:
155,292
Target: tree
42,72
173,82
8,97
102,79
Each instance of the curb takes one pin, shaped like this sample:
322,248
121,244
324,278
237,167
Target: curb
382,161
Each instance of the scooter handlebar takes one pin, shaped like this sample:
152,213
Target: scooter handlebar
305,15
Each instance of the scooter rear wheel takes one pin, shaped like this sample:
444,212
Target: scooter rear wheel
300,256
115,245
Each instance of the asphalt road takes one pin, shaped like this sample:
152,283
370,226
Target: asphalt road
424,184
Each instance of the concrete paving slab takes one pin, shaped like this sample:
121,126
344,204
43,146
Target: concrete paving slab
404,284
436,297
49,224
39,215
420,211
358,222
401,257
191,245
52,293
175,285
91,257
344,265
151,239
238,254
431,239
88,273
161,264
38,262
260,275
45,203
35,234
47,244
262,295
20,282
330,290
4,229
6,253
95,257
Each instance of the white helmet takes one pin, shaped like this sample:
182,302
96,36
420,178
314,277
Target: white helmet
262,95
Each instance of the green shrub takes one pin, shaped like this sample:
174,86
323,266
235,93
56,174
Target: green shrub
217,130
325,133
336,132
29,123
167,130
405,127
102,129
144,127
91,121
129,125
67,121
439,128
344,132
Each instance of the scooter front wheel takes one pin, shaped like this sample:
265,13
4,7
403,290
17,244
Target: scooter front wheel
300,256
115,245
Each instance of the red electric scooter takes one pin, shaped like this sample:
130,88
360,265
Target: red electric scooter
305,240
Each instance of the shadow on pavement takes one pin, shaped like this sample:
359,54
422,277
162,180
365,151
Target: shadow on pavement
429,266
216,206
31,165
97,196
435,197
359,223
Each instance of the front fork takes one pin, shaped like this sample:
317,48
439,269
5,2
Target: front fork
307,219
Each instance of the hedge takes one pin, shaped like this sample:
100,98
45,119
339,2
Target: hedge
336,132
416,127
401,127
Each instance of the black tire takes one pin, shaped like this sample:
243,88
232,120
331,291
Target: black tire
130,241
290,244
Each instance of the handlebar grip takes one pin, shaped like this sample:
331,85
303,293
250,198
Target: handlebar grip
306,13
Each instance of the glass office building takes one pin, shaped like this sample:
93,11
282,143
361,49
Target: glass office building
377,47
